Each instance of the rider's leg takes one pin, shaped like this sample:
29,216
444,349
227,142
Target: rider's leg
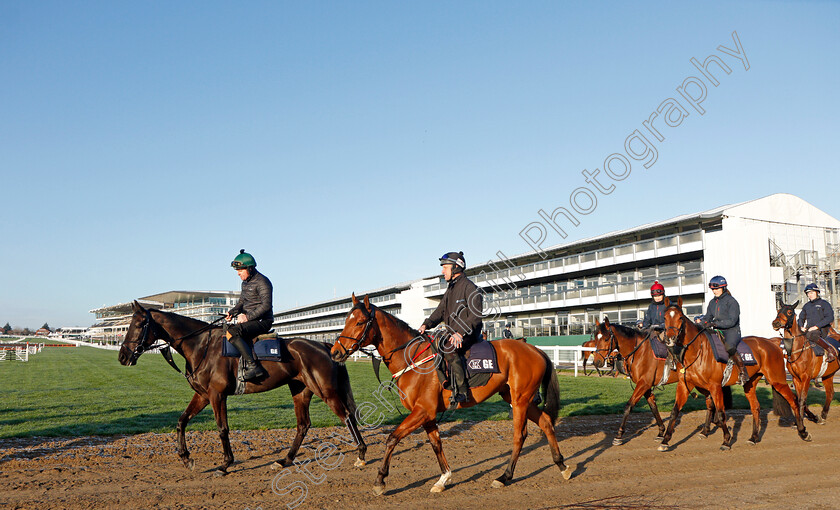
241,338
731,340
457,375
814,336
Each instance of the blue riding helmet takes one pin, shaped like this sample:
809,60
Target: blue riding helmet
812,286
717,282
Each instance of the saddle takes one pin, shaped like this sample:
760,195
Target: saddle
267,347
817,348
479,364
721,356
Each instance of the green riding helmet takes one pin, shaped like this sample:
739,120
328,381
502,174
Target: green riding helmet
243,260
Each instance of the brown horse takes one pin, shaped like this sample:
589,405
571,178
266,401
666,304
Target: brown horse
644,369
213,377
803,364
586,355
523,369
703,372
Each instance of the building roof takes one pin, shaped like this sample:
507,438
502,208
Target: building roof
177,296
375,292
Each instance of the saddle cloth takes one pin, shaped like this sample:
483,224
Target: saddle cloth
480,365
819,351
721,356
265,348
660,351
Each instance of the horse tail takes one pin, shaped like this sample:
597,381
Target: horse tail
781,407
345,391
727,397
550,389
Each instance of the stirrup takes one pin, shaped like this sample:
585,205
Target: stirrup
455,399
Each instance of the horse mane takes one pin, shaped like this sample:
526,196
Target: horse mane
189,320
399,322
626,330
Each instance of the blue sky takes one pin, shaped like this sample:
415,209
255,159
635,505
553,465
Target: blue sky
347,146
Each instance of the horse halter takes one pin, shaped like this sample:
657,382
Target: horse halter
141,343
680,331
612,348
357,342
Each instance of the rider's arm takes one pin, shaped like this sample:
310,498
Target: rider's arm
828,316
730,317
264,291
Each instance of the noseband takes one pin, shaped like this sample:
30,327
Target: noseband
144,336
357,342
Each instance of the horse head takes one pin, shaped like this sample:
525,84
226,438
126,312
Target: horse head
359,330
141,334
675,323
785,317
605,342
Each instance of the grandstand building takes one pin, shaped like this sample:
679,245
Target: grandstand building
768,249
112,321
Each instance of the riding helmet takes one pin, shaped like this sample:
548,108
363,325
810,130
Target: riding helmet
657,289
243,260
812,286
717,282
456,258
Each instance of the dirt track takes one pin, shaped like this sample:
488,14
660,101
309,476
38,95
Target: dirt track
143,471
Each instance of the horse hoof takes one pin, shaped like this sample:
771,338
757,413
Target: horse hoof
807,438
617,442
821,422
725,448
751,442
437,488
497,484
379,490
663,448
702,436
190,464
359,463
219,473
567,473
659,439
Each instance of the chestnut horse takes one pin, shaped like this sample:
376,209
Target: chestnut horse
703,372
213,377
523,369
803,364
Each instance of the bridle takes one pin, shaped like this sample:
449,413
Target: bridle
357,342
164,345
141,346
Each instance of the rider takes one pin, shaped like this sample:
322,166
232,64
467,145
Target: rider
506,333
253,312
460,307
654,320
818,316
724,314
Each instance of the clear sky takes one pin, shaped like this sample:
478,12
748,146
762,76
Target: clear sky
348,145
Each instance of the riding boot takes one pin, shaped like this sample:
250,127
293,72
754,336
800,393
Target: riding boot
743,376
830,353
459,382
253,370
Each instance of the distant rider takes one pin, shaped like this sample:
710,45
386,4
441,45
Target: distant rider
461,309
815,320
724,314
654,319
253,313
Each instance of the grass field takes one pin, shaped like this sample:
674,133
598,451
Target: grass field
85,391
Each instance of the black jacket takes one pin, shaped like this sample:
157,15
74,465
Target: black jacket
816,313
255,301
723,312
654,316
460,308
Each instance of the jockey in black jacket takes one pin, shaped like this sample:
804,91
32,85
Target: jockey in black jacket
816,318
461,308
253,312
724,314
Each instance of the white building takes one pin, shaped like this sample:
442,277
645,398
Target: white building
767,249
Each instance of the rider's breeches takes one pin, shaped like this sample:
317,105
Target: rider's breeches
731,339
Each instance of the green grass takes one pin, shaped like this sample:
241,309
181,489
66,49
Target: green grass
85,391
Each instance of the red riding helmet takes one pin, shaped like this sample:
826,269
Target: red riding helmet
657,289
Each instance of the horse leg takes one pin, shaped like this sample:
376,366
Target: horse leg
536,415
195,406
219,403
749,391
679,401
710,414
416,418
301,396
336,405
828,383
641,390
432,431
651,400
784,390
716,393
520,432
802,386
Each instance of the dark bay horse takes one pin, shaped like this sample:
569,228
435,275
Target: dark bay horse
803,364
644,369
213,377
523,369
703,372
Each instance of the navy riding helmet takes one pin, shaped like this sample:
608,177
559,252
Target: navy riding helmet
812,286
717,282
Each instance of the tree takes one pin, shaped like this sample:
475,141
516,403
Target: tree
26,332
46,326
6,329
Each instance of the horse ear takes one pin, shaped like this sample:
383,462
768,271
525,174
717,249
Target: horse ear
137,307
606,321
679,302
367,302
795,304
354,298
667,301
